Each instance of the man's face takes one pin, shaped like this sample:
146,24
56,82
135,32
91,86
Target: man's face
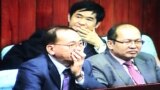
67,42
128,42
83,19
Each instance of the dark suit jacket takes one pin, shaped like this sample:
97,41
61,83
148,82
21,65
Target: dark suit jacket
31,48
41,74
89,50
108,71
24,51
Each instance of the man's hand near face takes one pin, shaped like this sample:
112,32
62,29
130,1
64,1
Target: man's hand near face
90,36
78,60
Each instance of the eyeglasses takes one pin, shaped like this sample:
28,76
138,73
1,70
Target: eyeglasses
74,44
129,42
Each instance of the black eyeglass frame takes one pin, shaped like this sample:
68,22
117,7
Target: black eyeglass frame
137,42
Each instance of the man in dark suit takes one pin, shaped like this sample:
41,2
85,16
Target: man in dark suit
119,65
85,17
23,51
64,51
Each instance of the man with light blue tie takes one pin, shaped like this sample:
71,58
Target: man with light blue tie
123,64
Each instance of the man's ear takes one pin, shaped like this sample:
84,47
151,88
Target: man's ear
110,44
69,17
50,49
97,25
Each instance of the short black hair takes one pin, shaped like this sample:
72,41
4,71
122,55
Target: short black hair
112,35
88,6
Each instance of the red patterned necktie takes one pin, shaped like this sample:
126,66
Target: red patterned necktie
136,76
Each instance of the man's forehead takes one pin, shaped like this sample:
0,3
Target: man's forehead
68,31
126,26
67,34
128,31
86,13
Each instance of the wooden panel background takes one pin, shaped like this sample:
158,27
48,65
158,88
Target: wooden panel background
20,18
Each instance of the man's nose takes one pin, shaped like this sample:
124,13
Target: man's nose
79,47
82,22
133,44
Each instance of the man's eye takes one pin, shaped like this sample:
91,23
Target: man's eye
89,19
78,16
138,41
71,44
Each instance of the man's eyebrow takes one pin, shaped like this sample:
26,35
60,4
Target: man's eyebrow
82,15
90,18
75,41
79,14
133,39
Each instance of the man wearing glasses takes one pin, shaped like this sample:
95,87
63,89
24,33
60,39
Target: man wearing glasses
61,68
123,64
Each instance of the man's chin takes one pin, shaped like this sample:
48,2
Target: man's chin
132,56
70,63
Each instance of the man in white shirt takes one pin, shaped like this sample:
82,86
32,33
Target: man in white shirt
64,50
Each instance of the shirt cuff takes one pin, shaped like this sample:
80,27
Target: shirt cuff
101,49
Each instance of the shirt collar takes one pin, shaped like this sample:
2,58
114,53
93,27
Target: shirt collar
60,67
121,61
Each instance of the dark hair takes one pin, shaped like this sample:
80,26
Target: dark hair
51,35
112,35
88,6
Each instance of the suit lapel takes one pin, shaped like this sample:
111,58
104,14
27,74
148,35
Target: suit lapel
119,70
54,73
72,85
142,66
